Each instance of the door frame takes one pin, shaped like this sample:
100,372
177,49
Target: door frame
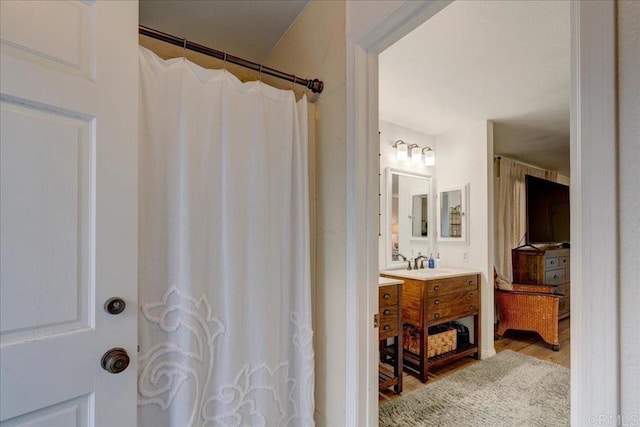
595,375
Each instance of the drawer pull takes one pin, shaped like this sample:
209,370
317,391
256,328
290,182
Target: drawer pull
555,276
471,295
436,288
386,327
470,307
551,262
386,296
386,312
437,302
437,315
470,282
564,261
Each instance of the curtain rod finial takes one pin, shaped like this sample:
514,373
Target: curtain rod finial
315,85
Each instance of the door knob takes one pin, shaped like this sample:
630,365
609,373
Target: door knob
115,360
115,305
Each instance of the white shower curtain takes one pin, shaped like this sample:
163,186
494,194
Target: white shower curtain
225,316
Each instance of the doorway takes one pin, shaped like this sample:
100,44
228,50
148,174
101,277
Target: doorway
436,87
592,149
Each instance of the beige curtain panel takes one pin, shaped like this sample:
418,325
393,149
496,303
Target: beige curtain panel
510,219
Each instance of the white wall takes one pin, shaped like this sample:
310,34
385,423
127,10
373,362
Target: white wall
465,156
315,47
389,133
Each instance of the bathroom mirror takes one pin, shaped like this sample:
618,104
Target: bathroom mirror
452,214
409,206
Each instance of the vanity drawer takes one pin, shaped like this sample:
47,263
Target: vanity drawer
452,285
451,312
388,295
388,328
461,306
554,277
388,312
446,302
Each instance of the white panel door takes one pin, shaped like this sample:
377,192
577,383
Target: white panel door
68,211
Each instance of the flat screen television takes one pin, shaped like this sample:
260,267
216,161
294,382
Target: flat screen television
547,211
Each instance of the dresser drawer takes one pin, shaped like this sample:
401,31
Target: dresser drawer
388,328
561,289
388,295
551,262
554,277
439,287
564,306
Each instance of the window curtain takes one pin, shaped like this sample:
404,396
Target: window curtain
225,304
510,221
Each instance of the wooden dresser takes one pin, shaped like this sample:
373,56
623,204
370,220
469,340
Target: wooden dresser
548,266
435,300
390,327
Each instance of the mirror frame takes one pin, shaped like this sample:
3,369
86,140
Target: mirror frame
464,210
388,248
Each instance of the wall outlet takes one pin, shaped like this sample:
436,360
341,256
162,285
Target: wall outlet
465,256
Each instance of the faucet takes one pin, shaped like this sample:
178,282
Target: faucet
415,261
404,258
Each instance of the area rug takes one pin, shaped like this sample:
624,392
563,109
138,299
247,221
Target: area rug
509,389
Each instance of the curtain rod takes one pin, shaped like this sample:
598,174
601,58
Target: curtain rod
315,85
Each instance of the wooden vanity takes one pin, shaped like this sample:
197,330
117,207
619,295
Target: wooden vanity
433,297
390,328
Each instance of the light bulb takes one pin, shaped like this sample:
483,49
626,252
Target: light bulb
416,155
430,157
402,151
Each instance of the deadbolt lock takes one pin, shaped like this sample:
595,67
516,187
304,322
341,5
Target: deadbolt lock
115,360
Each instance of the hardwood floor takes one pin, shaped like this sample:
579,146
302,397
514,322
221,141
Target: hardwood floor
528,343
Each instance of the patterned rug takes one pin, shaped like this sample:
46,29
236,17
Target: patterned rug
509,389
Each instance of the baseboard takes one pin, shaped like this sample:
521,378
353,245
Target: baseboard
487,353
320,419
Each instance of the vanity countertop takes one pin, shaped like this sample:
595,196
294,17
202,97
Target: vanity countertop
385,281
431,273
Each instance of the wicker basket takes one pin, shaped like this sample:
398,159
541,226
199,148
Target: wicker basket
442,342
438,343
410,339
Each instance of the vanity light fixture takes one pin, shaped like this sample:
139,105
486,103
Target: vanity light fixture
416,154
402,149
429,156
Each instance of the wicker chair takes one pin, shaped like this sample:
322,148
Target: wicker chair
529,308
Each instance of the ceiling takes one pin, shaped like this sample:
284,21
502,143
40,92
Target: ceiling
248,29
505,61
